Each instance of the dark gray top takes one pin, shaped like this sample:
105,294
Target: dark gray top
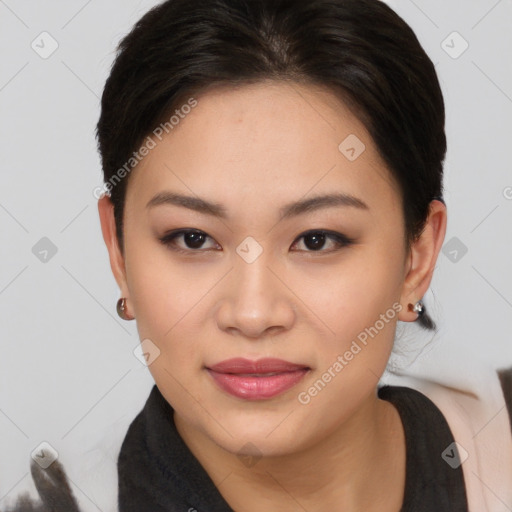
157,472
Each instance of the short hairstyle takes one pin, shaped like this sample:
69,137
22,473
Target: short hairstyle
361,50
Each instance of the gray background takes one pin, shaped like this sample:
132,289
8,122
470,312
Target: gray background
67,369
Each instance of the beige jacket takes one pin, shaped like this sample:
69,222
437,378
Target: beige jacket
471,397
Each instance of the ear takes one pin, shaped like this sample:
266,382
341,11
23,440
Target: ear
422,259
108,228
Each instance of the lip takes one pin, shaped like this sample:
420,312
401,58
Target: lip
257,380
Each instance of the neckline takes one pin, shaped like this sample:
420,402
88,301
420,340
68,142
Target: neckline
157,470
431,483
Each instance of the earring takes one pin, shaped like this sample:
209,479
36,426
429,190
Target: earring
418,308
121,309
423,318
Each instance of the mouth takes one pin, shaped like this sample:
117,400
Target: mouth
256,380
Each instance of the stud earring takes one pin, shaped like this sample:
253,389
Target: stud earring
423,318
121,309
418,308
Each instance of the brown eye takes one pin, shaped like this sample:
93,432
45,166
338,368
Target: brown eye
315,241
192,240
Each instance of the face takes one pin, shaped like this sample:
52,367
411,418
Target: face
266,269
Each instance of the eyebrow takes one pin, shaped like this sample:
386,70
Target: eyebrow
290,210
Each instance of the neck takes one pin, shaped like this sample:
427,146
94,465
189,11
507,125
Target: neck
359,466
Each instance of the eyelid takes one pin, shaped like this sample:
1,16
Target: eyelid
169,237
339,238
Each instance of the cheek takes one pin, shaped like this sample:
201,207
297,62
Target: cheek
163,296
351,296
360,306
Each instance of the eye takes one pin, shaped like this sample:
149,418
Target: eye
192,238
316,240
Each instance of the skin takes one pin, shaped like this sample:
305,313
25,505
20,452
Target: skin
254,149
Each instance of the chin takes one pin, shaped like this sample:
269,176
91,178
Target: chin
260,434
258,445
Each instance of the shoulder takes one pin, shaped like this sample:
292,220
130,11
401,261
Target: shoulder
481,424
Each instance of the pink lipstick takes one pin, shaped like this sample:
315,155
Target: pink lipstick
257,380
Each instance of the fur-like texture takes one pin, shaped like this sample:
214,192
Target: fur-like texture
53,488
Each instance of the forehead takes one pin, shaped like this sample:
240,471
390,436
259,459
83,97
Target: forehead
275,140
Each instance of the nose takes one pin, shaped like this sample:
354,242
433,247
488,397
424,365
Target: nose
256,301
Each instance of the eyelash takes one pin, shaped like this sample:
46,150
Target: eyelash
339,238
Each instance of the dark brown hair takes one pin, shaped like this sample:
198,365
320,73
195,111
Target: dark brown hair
359,49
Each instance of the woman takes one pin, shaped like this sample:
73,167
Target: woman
273,178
